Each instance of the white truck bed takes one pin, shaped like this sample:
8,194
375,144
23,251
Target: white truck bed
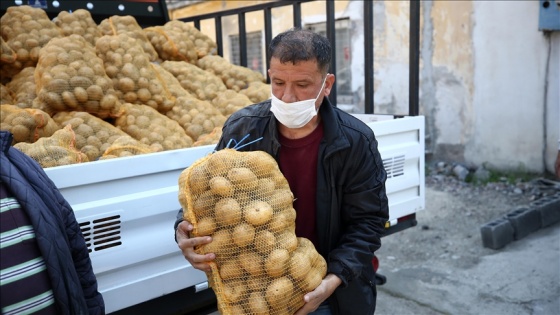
126,208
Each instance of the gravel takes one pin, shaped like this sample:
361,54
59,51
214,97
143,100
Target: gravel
447,238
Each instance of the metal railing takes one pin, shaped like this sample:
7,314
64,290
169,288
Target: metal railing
266,8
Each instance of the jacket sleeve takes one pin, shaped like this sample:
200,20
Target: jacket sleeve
78,249
364,211
82,261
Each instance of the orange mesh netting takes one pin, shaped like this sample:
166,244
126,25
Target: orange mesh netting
23,87
150,127
203,44
134,78
197,117
70,77
56,150
211,138
257,92
93,135
125,146
172,44
128,25
244,202
27,124
80,23
229,101
5,95
233,76
202,84
26,30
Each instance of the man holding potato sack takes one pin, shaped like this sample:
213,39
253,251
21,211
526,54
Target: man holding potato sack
332,164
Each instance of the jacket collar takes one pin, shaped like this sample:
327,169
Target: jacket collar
334,137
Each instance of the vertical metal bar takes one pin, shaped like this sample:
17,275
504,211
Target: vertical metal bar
219,39
414,59
331,35
368,57
242,40
197,24
267,37
297,14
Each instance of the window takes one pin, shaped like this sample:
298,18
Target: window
254,50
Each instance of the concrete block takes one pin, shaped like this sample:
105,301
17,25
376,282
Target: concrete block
524,221
549,209
497,234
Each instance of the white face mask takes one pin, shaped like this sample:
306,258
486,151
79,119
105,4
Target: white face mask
296,114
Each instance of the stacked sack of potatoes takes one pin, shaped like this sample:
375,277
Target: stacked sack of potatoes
105,80
244,202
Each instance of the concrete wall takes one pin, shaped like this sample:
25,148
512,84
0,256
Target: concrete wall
489,79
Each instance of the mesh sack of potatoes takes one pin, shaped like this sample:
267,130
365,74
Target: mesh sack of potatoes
257,92
70,77
27,124
208,139
80,23
7,54
244,202
134,78
128,25
5,95
229,101
197,117
151,127
233,76
125,146
26,30
171,44
202,84
93,135
23,87
203,44
56,150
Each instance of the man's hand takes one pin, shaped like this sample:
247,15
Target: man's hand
314,298
187,245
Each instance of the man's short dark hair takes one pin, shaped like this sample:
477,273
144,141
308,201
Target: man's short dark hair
296,45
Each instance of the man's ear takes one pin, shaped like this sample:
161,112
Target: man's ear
329,83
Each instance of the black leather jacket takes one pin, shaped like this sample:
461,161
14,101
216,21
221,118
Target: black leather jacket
352,205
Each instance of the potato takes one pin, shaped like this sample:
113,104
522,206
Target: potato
312,280
221,186
279,291
205,226
276,262
258,304
220,241
257,213
231,270
228,212
243,234
251,262
234,290
243,178
264,241
299,265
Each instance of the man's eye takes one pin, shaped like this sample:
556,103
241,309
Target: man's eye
279,83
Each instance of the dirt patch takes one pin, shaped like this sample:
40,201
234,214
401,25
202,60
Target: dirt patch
448,229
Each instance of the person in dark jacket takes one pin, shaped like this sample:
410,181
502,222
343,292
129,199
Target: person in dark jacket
44,261
332,164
